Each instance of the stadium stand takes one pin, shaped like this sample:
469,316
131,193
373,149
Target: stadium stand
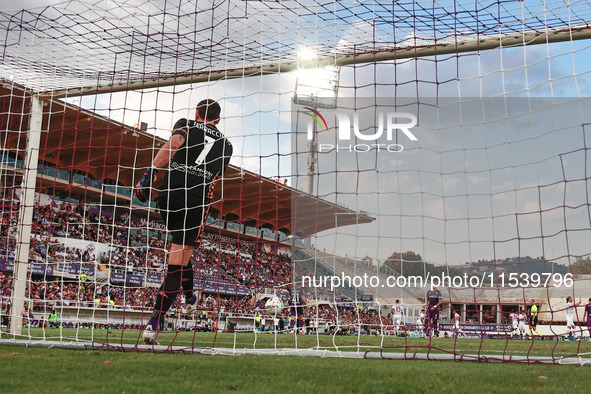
126,248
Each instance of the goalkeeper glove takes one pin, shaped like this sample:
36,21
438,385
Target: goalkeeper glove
142,188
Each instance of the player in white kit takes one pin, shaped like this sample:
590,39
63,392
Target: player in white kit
397,311
521,318
570,315
421,322
457,319
514,323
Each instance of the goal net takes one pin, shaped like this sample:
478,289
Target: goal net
409,180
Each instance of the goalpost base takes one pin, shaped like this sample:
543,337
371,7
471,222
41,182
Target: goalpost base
322,353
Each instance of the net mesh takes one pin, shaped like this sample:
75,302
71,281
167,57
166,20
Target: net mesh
76,44
490,202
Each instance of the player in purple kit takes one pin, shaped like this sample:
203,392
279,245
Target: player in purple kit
587,316
296,311
433,302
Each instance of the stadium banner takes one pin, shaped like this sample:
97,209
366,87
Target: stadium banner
117,278
153,280
467,327
52,268
88,269
120,278
73,269
7,265
477,336
133,279
152,224
77,268
41,268
222,289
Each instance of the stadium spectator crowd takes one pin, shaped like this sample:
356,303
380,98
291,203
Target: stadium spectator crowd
220,260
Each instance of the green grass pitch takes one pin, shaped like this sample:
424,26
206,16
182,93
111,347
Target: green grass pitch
40,370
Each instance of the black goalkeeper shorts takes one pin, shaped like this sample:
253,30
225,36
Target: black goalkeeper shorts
183,215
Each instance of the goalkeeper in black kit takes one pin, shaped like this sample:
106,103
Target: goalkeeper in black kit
194,158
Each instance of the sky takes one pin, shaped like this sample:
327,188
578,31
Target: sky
487,178
439,196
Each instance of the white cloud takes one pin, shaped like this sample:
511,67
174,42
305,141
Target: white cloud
477,180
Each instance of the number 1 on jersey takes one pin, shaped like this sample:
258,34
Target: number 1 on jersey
209,141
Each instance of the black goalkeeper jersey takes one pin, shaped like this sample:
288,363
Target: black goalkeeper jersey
196,165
